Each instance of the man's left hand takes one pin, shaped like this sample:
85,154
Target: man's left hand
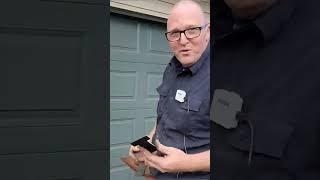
174,160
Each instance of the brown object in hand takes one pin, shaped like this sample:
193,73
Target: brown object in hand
137,167
131,162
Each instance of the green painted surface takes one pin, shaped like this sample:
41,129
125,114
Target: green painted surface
139,54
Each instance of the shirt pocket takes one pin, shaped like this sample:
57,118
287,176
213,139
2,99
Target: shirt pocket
186,115
191,104
271,135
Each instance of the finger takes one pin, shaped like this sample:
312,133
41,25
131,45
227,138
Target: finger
153,165
135,148
140,156
144,151
162,148
133,152
157,142
153,158
132,156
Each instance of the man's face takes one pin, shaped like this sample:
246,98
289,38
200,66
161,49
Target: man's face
188,51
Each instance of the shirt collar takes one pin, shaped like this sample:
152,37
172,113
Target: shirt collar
195,67
271,22
268,24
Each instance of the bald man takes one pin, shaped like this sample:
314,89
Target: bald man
182,130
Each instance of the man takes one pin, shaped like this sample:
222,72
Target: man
266,55
182,131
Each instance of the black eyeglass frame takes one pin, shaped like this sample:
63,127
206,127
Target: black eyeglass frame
184,32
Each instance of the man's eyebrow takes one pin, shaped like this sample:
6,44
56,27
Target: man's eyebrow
187,27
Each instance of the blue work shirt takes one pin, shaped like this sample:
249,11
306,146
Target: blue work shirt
183,121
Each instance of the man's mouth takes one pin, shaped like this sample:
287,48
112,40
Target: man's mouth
184,50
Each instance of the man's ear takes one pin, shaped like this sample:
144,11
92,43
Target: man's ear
208,33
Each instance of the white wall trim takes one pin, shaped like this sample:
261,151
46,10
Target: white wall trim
137,15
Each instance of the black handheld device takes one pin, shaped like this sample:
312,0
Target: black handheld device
143,142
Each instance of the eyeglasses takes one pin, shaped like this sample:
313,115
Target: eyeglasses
189,33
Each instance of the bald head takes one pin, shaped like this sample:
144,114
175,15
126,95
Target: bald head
188,16
186,8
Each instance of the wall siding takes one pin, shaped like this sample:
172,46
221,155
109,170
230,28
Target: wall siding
154,8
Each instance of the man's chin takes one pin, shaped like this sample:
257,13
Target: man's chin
187,63
186,60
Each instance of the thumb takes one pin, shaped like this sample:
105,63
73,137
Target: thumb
135,149
162,148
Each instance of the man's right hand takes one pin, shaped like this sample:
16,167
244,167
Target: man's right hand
136,153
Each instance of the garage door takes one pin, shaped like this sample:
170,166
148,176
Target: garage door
52,89
139,54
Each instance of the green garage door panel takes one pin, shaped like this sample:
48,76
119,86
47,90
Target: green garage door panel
139,54
52,89
76,165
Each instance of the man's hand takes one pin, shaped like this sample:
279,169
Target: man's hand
136,153
174,159
150,178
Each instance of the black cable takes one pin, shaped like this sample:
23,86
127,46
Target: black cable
251,142
243,116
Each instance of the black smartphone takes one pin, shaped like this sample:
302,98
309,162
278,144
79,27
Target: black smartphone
143,142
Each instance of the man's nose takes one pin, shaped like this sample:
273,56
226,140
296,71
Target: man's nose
183,39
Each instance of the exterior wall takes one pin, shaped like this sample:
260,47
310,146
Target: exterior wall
156,10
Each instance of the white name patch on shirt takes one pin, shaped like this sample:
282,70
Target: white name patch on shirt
180,95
